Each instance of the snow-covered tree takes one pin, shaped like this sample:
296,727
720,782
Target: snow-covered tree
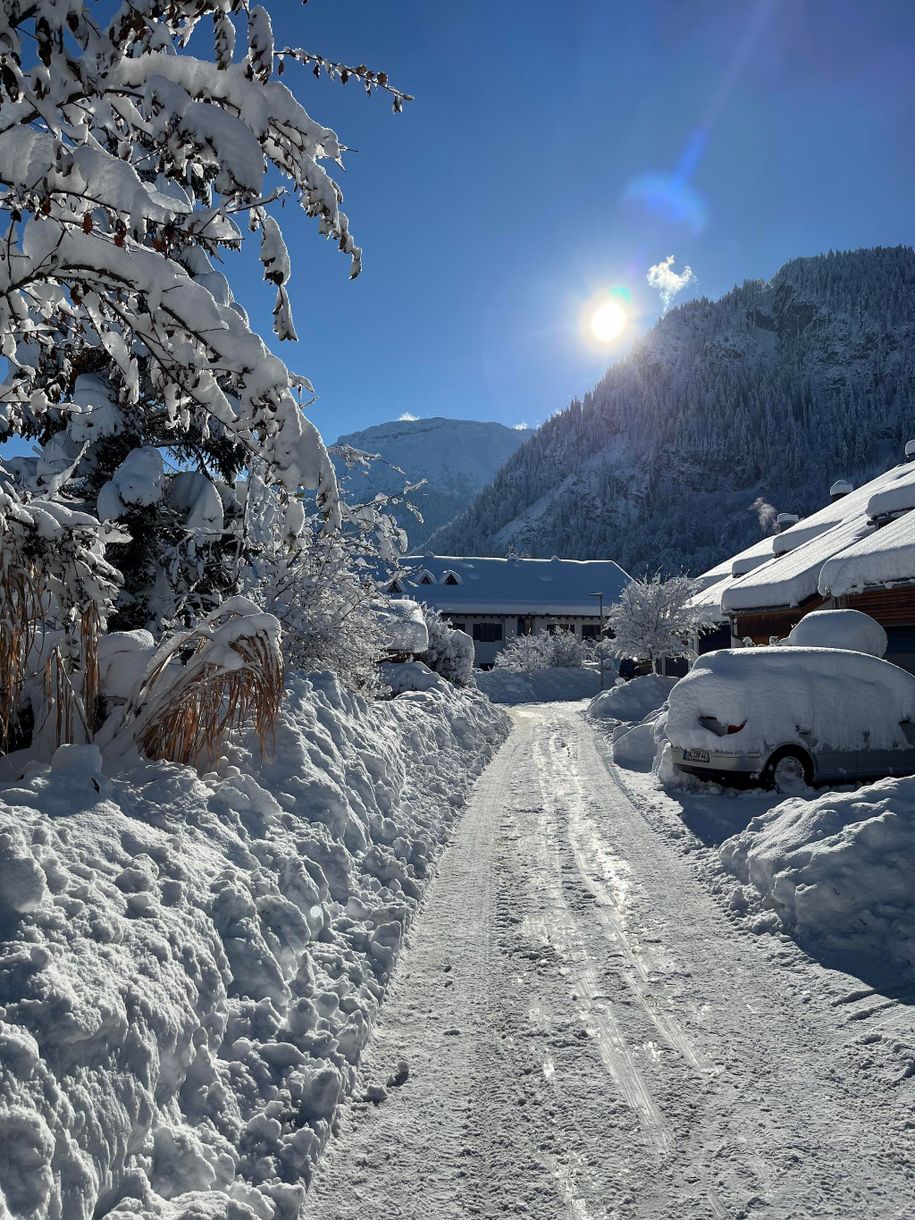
131,163
653,619
450,652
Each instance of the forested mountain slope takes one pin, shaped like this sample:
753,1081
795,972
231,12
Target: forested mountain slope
456,457
775,390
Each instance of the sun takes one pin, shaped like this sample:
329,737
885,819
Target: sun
608,321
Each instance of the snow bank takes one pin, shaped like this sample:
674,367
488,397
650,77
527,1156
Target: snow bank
786,694
840,629
556,684
838,871
191,964
634,745
631,701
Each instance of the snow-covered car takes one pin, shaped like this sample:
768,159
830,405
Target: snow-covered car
791,716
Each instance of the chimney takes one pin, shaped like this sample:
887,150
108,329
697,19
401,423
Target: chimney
840,488
784,521
910,451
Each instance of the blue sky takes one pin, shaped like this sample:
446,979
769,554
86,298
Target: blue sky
554,152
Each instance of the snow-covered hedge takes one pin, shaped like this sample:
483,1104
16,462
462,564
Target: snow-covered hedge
191,964
838,872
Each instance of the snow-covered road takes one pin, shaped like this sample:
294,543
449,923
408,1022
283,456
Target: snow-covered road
591,1033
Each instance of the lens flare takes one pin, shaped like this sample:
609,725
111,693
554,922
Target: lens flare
608,321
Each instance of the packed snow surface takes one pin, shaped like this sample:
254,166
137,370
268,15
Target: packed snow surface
838,871
839,629
780,695
600,1022
632,701
555,684
191,964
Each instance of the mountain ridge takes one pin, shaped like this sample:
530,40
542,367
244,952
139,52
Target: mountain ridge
456,457
773,391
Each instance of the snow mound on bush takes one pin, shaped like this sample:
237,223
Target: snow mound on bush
838,871
190,965
557,684
839,629
632,701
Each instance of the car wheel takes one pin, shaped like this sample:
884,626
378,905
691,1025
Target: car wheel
789,771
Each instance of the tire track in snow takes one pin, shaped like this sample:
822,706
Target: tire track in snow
558,927
609,893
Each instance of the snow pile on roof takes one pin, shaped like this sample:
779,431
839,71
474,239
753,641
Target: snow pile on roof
404,625
790,580
839,629
898,497
884,558
628,702
792,695
192,964
838,871
554,684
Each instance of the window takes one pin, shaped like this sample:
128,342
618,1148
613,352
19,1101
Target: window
451,578
394,587
525,625
425,579
590,631
458,626
552,628
487,633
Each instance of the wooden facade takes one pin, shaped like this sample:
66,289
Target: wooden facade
762,625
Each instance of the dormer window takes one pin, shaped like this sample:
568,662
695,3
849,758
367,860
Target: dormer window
423,577
395,587
451,578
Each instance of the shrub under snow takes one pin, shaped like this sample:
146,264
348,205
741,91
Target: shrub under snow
191,964
450,652
556,650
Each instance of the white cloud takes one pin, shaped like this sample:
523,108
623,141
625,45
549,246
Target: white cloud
520,427
667,281
407,415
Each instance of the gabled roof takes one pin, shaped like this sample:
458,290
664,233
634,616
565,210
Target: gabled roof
514,586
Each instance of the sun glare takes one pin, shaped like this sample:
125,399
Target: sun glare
608,321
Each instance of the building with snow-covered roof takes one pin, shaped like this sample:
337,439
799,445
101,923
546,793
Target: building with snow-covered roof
858,552
494,600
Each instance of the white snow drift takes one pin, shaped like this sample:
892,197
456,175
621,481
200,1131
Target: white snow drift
848,629
190,964
838,871
632,701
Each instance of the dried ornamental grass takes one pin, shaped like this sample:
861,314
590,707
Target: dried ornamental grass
233,674
20,614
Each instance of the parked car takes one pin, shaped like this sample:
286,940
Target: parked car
786,717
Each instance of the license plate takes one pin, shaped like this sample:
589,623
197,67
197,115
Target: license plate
695,756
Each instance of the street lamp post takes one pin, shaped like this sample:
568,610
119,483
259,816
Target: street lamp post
600,651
